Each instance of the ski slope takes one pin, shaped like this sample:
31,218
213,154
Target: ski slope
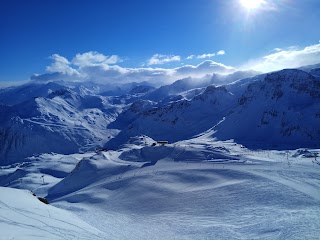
222,191
194,189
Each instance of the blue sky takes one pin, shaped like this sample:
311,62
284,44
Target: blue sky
154,34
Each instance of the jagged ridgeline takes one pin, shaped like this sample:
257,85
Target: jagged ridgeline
274,110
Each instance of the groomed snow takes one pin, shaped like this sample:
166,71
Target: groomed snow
223,191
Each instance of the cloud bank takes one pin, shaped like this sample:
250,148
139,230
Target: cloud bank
96,67
291,57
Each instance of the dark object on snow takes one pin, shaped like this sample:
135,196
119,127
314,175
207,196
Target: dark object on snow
41,199
154,144
97,150
162,142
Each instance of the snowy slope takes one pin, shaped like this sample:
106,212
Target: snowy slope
39,173
281,110
196,189
23,216
315,72
62,122
205,184
177,87
189,83
126,88
15,95
309,68
69,121
141,89
174,121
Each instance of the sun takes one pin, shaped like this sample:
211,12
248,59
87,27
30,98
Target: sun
251,4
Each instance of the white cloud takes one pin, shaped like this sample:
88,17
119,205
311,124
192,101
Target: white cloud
62,65
292,57
210,55
94,67
190,57
94,58
277,49
158,59
206,55
221,52
206,67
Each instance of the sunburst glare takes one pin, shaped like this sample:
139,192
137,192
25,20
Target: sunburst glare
251,4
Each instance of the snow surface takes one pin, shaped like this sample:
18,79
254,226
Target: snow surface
282,109
63,122
241,162
194,189
23,216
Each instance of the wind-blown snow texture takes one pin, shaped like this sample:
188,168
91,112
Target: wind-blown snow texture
195,189
241,162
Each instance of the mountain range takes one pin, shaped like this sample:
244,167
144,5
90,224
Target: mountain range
274,110
229,156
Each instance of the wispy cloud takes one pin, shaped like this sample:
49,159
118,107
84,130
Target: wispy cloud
211,55
190,57
206,55
277,50
94,58
292,57
158,59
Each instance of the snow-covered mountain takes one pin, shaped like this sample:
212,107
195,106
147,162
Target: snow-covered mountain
97,161
62,122
190,83
174,121
277,109
69,117
126,88
18,94
281,110
315,72
15,95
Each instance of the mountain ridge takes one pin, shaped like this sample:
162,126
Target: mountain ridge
84,119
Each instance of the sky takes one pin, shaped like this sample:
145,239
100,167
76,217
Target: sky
130,39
